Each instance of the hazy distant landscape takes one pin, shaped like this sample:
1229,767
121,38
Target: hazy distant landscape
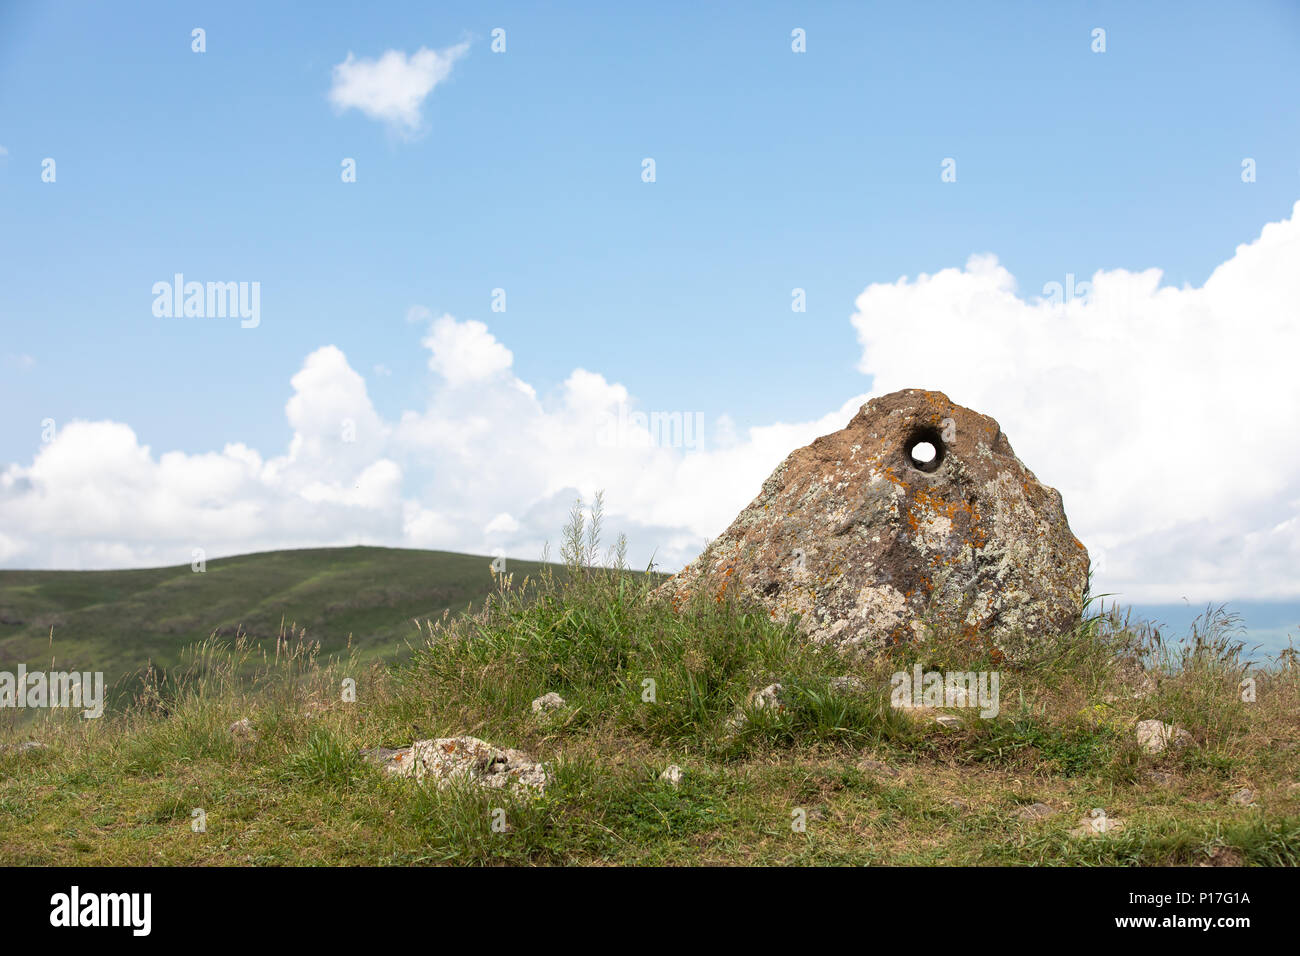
120,621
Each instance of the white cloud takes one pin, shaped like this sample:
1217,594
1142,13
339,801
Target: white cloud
503,523
487,464
1163,415
392,89
464,352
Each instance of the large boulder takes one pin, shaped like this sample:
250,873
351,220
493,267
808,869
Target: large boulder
869,542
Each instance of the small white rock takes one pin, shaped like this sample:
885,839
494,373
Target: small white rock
1096,823
1156,735
672,775
769,698
548,703
447,760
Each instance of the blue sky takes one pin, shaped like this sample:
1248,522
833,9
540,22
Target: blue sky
774,171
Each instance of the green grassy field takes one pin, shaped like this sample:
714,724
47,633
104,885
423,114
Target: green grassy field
120,621
836,775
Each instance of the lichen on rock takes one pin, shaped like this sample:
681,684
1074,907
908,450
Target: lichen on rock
446,761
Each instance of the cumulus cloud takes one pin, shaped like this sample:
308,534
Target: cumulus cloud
488,464
1163,415
464,352
393,88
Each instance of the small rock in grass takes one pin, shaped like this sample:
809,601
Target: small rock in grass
1095,824
1156,735
1035,811
770,697
672,775
448,760
548,704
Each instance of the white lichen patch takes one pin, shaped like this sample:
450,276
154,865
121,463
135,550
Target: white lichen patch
880,607
932,534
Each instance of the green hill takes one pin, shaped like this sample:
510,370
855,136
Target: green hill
120,621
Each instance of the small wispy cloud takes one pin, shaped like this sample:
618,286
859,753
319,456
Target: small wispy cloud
393,88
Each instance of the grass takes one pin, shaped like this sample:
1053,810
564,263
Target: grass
646,686
119,622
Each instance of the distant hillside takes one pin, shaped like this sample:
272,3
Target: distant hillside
118,621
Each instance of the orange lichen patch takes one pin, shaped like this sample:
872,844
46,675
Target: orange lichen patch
888,472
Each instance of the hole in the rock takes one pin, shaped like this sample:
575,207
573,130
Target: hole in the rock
925,450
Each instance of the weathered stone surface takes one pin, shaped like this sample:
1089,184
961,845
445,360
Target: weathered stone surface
771,697
1096,823
1245,797
867,543
1155,735
448,760
548,703
1035,811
